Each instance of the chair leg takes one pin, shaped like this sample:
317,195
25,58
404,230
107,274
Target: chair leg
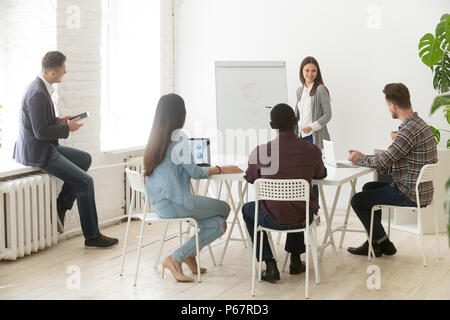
436,226
307,265
314,254
163,238
124,251
211,255
389,223
261,235
254,264
198,252
421,238
285,261
141,237
180,233
370,236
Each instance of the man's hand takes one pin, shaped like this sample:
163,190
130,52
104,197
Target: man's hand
62,121
354,155
74,125
306,130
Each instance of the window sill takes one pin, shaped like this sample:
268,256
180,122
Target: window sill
11,168
124,150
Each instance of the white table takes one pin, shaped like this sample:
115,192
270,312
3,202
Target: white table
338,177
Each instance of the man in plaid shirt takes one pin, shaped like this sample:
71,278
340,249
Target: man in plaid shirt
413,147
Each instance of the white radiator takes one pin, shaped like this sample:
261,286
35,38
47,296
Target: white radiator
135,164
28,215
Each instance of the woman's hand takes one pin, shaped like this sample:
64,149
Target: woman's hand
230,169
307,130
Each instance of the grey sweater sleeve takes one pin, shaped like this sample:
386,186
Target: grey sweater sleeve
324,101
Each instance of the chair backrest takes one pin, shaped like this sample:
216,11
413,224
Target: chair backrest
135,180
427,173
282,189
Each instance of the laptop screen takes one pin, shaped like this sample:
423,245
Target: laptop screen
200,149
328,152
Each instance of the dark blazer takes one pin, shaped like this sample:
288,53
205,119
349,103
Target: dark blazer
38,129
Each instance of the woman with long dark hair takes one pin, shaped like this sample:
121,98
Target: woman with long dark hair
168,169
313,108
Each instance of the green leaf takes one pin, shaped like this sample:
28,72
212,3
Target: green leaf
429,50
441,80
448,147
436,133
443,31
440,101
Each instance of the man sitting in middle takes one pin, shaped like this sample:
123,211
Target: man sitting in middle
296,159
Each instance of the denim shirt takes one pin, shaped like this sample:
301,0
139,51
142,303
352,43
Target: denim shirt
170,180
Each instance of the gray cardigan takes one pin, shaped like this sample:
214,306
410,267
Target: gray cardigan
321,112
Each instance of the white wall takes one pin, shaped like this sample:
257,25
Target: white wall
356,58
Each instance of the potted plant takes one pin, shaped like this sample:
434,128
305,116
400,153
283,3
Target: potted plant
434,52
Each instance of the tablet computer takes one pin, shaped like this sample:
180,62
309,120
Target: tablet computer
200,149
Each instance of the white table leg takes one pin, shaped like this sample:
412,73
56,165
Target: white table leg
235,219
329,220
352,193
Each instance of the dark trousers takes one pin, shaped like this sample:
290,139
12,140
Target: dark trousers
374,193
315,188
295,243
70,165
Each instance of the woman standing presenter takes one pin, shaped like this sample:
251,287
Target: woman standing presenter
313,108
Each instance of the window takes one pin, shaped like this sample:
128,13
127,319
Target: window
24,39
131,72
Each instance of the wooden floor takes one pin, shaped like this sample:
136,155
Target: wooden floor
44,275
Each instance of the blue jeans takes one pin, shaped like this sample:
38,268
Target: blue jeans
208,212
315,188
70,165
295,243
375,193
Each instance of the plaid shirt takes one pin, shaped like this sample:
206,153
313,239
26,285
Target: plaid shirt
413,147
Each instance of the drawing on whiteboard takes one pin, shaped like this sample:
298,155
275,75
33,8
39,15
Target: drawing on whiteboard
253,115
251,92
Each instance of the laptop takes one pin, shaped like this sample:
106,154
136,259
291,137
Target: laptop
200,149
329,157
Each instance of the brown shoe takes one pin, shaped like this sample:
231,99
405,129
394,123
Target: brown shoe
101,241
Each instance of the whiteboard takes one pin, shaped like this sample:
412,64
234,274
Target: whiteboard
244,90
245,93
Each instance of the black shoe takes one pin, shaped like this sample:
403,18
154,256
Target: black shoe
363,249
101,242
61,215
387,247
271,274
296,266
